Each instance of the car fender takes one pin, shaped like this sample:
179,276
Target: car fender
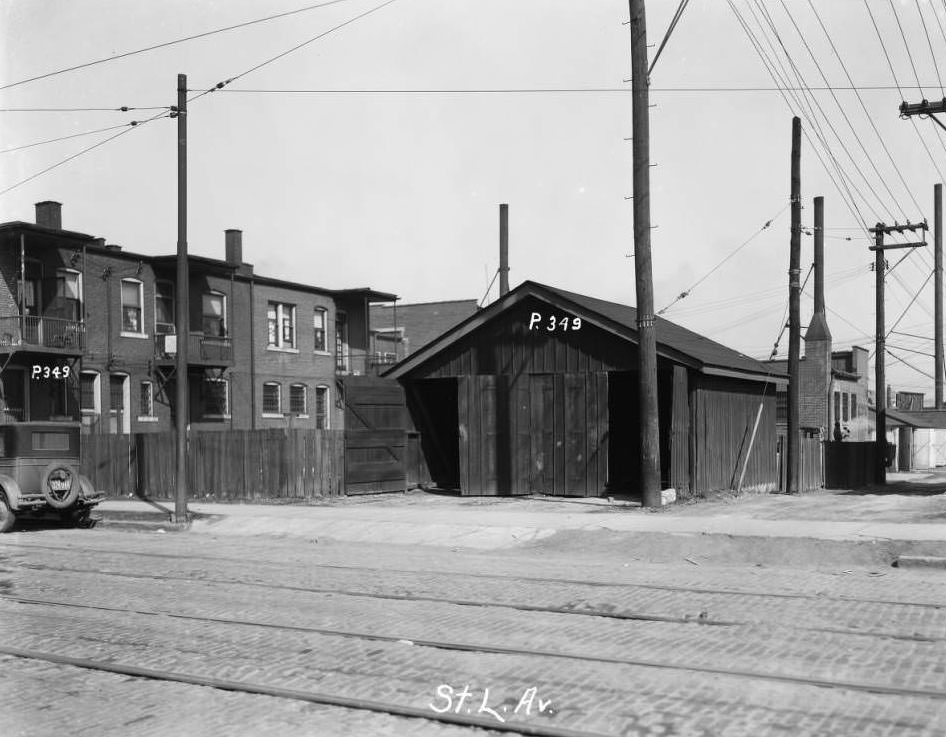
11,490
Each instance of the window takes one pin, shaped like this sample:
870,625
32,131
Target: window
214,314
146,399
131,306
281,325
321,407
29,291
12,395
341,341
837,406
69,294
216,396
853,406
781,407
844,397
271,398
164,307
297,399
318,327
88,392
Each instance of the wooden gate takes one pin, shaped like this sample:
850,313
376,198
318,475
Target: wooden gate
375,435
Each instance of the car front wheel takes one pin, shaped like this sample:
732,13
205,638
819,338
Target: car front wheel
7,515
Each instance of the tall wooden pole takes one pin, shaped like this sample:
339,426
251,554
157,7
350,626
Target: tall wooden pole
646,321
181,318
794,315
880,388
938,291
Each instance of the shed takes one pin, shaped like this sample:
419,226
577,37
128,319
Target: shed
538,394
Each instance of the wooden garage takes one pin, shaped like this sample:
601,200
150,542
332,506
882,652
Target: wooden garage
537,394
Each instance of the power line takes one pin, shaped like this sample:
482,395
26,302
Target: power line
673,24
736,250
929,42
906,45
221,85
64,138
812,119
122,109
844,114
540,90
908,364
869,117
169,43
131,126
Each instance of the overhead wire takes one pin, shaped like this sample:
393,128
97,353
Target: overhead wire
165,44
673,24
64,138
323,34
685,293
838,176
870,118
847,120
929,42
120,109
139,124
787,96
134,125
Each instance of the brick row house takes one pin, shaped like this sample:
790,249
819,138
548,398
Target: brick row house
262,352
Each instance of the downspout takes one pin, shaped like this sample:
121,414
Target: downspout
252,356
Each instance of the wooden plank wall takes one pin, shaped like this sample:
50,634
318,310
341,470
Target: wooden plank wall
810,465
543,434
375,435
680,434
723,413
849,465
229,465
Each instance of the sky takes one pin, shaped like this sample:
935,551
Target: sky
400,191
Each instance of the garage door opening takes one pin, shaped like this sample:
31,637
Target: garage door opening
432,404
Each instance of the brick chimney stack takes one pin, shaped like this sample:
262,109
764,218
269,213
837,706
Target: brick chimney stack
234,246
49,214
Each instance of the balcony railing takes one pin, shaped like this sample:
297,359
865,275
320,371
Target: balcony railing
364,364
214,351
32,332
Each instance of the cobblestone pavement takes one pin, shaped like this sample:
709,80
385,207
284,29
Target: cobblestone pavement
609,647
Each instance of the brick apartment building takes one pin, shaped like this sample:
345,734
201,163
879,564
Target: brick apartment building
262,352
397,330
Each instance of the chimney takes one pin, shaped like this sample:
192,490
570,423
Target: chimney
234,246
49,214
503,249
98,242
818,327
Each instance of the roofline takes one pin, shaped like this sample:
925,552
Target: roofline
530,288
22,225
434,302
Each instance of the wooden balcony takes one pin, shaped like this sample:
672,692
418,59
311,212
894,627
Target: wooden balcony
202,350
37,334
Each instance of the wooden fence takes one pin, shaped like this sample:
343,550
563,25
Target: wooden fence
850,465
231,465
810,464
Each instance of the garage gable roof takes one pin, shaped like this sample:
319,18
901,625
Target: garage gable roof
673,341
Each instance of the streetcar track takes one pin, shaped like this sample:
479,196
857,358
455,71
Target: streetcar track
315,697
511,651
505,577
587,611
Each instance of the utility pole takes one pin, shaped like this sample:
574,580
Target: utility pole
880,388
794,314
182,325
938,291
643,269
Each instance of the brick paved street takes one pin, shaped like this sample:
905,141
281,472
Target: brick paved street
610,647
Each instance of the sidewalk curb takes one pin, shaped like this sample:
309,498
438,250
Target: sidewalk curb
921,561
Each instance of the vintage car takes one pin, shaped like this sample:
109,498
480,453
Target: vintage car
39,474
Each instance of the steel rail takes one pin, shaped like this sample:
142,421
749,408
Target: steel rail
586,612
504,577
527,652
314,697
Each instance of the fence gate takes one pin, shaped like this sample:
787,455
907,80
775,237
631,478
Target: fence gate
375,435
